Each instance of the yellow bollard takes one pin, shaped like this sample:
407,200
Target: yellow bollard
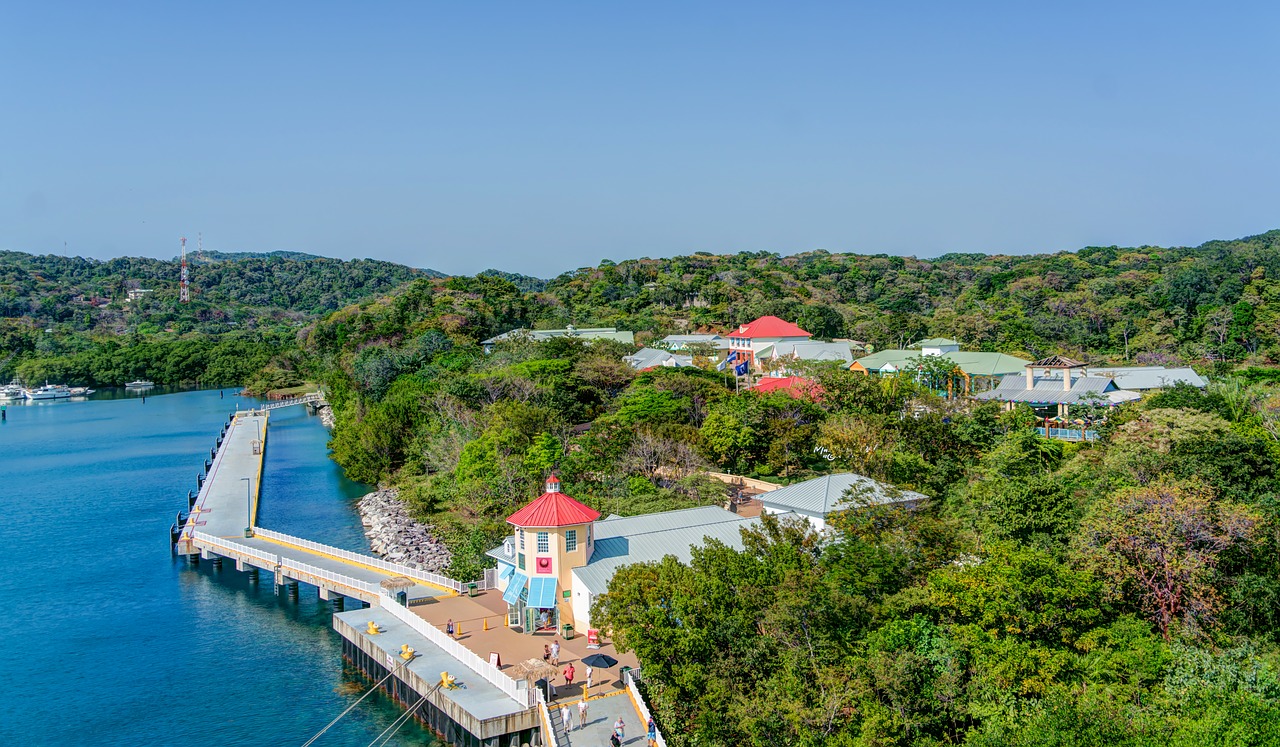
457,630
486,623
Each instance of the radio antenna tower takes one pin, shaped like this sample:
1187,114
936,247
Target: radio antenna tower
184,292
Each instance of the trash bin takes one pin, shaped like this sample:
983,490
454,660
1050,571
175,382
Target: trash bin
622,674
567,631
471,589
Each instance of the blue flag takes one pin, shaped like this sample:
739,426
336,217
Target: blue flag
740,369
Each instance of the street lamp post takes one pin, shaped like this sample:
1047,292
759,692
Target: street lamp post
248,506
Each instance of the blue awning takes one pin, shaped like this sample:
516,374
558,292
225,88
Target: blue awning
505,570
542,592
514,587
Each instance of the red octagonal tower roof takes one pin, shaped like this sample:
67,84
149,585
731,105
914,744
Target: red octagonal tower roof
553,509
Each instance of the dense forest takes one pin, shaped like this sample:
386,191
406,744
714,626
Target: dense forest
1125,591
1118,592
1145,304
72,320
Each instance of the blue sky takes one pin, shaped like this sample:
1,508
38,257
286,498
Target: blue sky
540,137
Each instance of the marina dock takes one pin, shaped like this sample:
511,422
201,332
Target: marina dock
488,707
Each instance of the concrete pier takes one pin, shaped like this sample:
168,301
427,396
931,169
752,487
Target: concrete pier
477,715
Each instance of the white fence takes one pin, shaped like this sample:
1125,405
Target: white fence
209,539
643,707
523,695
287,566
304,399
548,731
383,565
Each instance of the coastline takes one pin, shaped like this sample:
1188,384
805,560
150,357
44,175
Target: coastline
396,536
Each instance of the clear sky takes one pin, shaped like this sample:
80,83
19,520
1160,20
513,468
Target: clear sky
539,137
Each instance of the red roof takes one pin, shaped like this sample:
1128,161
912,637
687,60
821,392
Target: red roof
553,509
796,386
769,326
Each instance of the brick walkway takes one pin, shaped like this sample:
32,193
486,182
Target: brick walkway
469,615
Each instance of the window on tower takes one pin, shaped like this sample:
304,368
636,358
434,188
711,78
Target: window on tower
571,540
544,542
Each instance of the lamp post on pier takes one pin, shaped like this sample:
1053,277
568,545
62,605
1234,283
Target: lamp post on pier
248,506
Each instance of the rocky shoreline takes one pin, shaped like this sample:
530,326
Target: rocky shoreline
396,536
326,415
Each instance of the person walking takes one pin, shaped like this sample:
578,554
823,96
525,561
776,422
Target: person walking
564,717
568,675
582,713
619,728
448,627
652,734
589,672
555,653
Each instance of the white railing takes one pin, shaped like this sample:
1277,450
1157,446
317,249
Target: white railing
550,730
287,566
331,577
492,674
208,539
383,565
304,399
643,708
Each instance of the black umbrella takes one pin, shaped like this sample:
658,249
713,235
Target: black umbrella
603,661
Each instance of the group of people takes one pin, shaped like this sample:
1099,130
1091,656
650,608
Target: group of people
551,655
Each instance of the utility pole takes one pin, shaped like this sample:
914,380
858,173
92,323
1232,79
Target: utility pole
184,291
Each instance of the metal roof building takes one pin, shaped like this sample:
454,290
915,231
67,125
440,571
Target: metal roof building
1142,378
679,342
818,498
650,538
1049,390
651,357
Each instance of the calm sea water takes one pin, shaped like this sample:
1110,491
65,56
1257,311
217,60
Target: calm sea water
108,640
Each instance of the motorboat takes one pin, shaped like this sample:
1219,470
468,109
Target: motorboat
140,384
49,391
81,391
13,390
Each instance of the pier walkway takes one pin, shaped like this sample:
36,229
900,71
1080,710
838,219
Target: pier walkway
489,707
221,523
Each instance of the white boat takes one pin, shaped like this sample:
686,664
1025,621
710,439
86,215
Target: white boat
140,384
49,391
81,391
13,390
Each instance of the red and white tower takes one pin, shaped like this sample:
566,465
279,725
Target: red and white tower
184,292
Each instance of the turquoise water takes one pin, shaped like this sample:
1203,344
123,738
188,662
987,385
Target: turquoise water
108,640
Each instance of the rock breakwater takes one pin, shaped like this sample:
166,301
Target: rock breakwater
398,537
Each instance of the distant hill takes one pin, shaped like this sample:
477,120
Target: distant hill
51,289
526,283
212,256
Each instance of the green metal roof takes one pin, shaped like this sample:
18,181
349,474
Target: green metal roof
934,342
974,364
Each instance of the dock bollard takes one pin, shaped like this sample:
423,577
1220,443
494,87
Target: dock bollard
486,623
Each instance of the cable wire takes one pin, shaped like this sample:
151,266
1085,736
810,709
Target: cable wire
370,691
403,719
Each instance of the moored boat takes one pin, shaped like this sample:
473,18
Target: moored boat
140,384
13,390
49,391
